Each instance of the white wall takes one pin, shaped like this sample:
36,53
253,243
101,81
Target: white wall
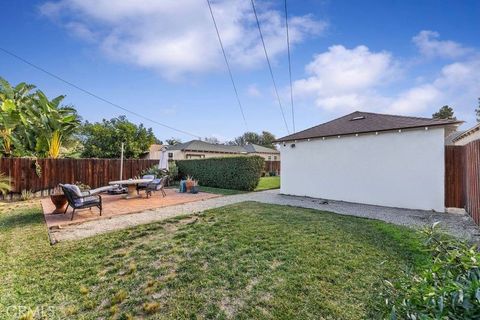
393,169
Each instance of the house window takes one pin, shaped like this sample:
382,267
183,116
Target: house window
274,157
269,157
195,156
170,154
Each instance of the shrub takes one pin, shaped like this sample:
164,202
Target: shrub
26,195
238,173
448,289
173,170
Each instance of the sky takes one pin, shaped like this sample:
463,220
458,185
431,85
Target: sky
162,60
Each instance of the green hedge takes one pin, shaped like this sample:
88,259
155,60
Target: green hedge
238,173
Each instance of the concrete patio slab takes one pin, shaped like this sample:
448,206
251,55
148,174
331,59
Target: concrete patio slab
116,205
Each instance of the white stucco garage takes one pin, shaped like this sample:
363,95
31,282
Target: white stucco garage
369,158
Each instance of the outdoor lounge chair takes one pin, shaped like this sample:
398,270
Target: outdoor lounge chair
156,185
143,186
80,200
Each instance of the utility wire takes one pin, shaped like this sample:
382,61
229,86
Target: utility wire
269,66
289,66
228,65
95,95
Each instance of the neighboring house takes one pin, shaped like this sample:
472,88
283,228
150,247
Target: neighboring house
371,158
464,137
452,136
154,152
197,149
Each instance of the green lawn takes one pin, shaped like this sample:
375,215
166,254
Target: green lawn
244,261
268,183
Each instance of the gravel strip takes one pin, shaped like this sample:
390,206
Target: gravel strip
457,224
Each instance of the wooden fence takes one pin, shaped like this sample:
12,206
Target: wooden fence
462,178
272,166
24,174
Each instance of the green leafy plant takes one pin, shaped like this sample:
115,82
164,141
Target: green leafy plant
5,184
83,187
31,124
173,171
448,289
38,168
26,195
154,170
238,173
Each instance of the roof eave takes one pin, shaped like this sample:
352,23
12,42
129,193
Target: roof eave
287,139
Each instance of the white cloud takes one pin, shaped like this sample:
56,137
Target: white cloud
346,79
177,37
415,100
341,80
81,31
429,45
253,91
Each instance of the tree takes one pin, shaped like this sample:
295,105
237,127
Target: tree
477,111
212,140
173,141
265,139
268,139
31,124
104,139
445,112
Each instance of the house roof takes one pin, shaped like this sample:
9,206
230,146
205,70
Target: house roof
466,133
252,148
364,122
203,146
449,140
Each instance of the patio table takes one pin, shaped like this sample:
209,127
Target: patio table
131,186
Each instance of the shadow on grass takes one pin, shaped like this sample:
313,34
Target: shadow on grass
18,220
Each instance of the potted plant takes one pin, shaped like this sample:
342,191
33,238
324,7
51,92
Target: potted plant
194,188
59,200
189,183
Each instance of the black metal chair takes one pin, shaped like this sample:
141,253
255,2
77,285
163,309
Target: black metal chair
156,185
143,186
79,200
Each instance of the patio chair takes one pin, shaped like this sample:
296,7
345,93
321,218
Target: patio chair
156,185
143,186
80,200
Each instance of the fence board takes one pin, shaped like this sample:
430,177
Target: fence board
94,172
272,166
462,178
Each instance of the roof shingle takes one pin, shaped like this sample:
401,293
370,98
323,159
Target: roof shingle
364,122
198,145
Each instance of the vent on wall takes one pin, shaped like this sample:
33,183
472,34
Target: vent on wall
357,118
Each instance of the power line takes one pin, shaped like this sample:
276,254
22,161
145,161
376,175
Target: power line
269,66
228,65
95,95
289,66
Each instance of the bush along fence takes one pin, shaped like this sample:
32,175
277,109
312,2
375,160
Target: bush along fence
462,178
42,175
239,173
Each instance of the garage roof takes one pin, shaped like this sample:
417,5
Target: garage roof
364,122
